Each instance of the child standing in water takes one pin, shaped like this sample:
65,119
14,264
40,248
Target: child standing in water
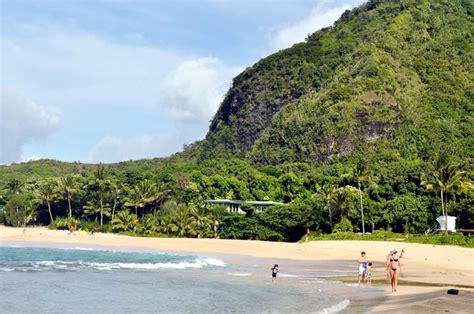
274,272
368,274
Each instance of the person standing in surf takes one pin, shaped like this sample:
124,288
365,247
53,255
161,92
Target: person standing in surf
362,266
274,273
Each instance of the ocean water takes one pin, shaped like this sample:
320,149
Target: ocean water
92,280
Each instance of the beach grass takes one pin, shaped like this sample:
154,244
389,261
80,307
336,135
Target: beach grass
381,235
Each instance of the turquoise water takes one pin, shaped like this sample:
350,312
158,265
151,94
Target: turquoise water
86,280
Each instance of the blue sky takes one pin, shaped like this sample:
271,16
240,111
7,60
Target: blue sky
105,81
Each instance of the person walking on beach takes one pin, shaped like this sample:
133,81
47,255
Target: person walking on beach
362,266
274,273
394,268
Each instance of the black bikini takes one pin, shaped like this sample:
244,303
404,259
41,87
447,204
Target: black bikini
394,260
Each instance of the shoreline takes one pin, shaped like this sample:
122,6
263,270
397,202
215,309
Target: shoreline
427,270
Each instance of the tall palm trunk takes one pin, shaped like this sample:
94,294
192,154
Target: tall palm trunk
442,203
49,211
330,218
113,208
445,212
101,211
361,207
69,204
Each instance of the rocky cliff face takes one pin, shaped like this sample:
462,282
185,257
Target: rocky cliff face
396,74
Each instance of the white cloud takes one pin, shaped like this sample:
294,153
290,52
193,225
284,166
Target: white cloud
87,69
320,16
115,149
194,89
23,121
82,72
26,158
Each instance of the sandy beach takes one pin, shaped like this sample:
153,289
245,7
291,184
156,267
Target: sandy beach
427,270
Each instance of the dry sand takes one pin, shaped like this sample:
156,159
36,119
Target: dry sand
421,263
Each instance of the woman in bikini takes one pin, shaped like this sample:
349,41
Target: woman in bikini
394,268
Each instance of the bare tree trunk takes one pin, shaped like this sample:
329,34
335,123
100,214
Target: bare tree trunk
50,214
361,208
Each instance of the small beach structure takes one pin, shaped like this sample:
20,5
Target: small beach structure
451,221
235,206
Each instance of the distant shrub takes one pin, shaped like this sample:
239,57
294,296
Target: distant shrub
444,239
2,217
344,225
382,235
64,224
94,226
145,235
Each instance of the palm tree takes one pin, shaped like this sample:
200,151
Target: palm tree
360,175
160,194
340,199
203,221
14,186
116,191
148,225
134,199
124,221
324,192
447,179
69,187
46,192
100,184
147,192
216,213
94,208
182,222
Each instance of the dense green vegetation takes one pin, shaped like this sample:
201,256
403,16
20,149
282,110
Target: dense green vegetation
396,76
440,239
366,125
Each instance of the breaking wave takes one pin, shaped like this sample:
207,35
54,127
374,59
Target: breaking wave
336,307
25,259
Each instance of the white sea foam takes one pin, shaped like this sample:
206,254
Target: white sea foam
351,284
336,307
240,274
288,275
213,262
197,263
6,269
82,249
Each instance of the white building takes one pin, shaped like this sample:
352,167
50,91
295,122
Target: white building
234,206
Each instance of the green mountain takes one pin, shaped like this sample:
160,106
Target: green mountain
396,75
364,120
